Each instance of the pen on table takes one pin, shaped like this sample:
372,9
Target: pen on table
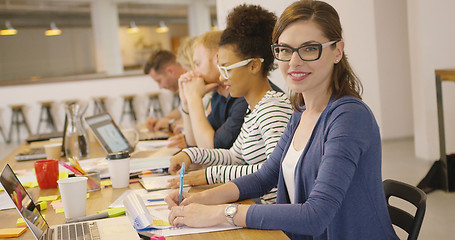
182,173
155,200
90,217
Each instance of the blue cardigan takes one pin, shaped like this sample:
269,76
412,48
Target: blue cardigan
338,183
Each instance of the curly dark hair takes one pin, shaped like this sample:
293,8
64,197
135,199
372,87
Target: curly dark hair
249,28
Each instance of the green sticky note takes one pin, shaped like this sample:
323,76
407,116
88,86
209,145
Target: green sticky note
42,205
114,212
20,222
48,198
59,210
160,223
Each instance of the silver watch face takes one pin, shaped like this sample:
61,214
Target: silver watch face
230,210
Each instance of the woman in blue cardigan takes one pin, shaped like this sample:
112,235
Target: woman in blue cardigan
327,164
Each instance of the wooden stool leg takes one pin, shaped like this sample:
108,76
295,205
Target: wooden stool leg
12,124
40,120
3,135
123,111
133,113
50,119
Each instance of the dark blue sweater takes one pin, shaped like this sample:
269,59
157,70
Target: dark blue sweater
338,183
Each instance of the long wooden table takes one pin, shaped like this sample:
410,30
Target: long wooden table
100,200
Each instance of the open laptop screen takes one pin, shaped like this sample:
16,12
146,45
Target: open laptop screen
107,133
23,202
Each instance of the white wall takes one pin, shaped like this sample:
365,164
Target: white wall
31,53
369,28
431,35
394,68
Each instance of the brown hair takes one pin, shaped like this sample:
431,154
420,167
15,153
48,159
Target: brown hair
249,29
158,60
344,81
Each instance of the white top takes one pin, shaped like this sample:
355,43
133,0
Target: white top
288,166
259,135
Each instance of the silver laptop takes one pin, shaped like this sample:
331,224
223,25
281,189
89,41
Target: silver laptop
108,134
111,228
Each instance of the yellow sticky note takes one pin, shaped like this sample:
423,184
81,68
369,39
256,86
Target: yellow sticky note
114,212
48,198
30,184
105,182
12,232
62,175
88,195
20,222
160,223
42,205
59,210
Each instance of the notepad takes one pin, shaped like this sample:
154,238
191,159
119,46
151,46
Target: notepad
12,232
153,183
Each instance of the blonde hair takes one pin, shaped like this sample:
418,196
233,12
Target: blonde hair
185,53
209,40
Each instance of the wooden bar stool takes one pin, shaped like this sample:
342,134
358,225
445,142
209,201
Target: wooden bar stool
99,105
154,106
17,119
47,118
128,108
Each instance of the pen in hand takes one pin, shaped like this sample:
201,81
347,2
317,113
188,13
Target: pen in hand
182,173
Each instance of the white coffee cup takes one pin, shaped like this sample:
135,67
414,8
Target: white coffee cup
119,169
53,151
74,196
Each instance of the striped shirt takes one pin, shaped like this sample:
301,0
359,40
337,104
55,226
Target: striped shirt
258,137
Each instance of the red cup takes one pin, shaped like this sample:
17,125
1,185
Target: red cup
46,173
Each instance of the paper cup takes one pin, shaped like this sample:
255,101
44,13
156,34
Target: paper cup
119,170
74,196
53,151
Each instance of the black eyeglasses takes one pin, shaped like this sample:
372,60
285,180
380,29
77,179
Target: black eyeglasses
309,52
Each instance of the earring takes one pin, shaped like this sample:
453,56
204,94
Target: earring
336,61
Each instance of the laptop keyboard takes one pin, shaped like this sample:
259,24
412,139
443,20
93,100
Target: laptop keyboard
78,231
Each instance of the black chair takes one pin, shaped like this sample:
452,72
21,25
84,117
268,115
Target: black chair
406,221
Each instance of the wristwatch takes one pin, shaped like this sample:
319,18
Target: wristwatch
230,212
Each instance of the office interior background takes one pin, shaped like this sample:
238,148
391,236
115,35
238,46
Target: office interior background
393,45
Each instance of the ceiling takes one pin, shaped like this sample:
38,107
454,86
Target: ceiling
76,13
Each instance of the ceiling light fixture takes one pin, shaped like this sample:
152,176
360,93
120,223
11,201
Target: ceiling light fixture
53,31
9,29
163,28
132,28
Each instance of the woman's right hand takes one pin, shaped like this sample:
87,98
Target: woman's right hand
176,162
172,199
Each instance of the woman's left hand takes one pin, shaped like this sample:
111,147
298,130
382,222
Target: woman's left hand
193,178
197,215
177,141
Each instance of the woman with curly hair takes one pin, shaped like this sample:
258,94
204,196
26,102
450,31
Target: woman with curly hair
327,164
244,61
